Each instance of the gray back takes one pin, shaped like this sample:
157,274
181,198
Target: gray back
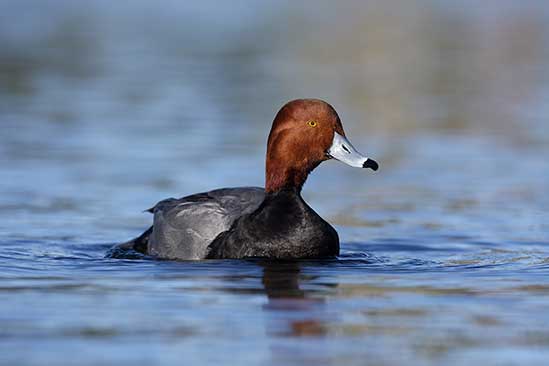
183,228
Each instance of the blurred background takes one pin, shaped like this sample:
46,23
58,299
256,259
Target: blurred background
120,105
107,107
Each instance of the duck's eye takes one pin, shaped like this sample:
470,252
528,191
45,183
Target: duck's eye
312,123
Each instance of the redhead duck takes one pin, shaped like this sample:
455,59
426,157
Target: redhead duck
274,222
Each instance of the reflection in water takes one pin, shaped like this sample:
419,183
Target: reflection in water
281,281
292,312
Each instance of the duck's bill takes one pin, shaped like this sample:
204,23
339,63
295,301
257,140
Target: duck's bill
345,152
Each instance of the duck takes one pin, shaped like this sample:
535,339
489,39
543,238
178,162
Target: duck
272,222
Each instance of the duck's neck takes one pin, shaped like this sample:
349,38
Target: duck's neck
284,207
279,177
284,193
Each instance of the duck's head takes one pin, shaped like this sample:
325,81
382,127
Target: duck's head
306,132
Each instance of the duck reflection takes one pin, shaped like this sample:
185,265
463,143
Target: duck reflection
301,310
281,280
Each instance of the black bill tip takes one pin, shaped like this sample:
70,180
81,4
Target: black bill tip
372,164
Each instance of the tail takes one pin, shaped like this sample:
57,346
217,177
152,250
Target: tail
133,249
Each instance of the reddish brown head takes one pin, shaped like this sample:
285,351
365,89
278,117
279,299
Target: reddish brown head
306,132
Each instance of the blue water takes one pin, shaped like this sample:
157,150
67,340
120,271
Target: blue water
106,109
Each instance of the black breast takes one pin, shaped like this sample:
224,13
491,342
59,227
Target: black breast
283,226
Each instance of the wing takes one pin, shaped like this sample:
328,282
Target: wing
183,228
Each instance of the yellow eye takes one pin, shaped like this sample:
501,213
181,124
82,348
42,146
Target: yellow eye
312,123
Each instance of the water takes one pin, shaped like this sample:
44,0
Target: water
105,110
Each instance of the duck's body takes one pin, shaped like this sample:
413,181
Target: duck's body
236,223
274,222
